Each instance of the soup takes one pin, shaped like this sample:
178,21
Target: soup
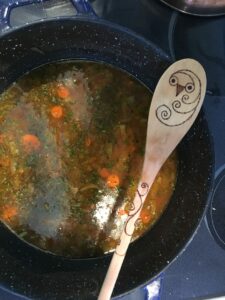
72,139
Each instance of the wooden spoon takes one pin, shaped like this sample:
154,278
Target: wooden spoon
175,105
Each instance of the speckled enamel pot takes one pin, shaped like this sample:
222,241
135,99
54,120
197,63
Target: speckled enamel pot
27,271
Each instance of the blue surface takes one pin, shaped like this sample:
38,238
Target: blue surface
82,7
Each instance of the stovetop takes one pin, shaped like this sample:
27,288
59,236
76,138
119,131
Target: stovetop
199,272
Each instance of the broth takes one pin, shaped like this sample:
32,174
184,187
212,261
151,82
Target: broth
72,139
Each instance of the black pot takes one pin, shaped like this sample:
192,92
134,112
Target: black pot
41,276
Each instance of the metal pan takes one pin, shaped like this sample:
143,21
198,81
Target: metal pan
204,8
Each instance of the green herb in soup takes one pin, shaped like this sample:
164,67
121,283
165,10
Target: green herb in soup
72,139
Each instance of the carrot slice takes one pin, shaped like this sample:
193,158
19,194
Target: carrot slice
122,212
63,92
104,173
9,212
113,181
57,112
145,216
30,143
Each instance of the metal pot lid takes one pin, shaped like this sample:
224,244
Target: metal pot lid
205,8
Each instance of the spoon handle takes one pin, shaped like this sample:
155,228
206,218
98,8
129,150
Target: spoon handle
175,105
126,236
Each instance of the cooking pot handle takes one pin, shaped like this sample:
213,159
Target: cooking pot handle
83,7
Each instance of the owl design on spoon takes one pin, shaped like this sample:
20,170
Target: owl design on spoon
185,97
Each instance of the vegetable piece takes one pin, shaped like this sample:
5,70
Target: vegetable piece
104,173
5,161
63,92
22,234
9,212
1,139
113,181
109,150
88,187
88,141
30,143
57,112
122,128
122,212
145,216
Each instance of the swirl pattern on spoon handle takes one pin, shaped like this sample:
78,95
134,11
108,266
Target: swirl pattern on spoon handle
186,96
133,214
134,210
